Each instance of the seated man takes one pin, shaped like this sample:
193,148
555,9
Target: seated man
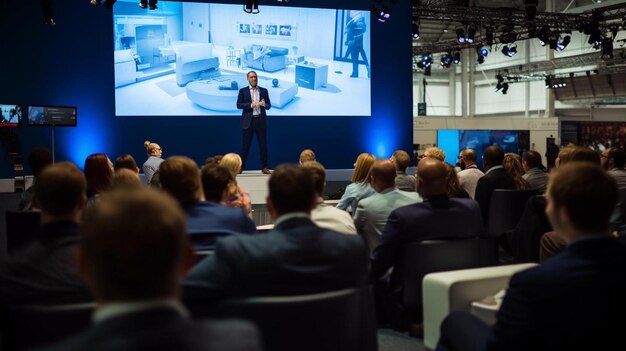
323,215
571,301
180,177
372,212
296,257
133,254
469,174
495,178
437,217
613,160
43,271
404,181
534,174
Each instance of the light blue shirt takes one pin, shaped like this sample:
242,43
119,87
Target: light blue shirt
353,194
255,94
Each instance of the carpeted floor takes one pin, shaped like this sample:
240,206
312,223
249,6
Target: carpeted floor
391,340
169,86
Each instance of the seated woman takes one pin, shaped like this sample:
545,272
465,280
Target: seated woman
513,165
98,173
238,196
360,187
453,185
151,166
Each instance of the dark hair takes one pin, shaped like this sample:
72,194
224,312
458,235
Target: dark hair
125,161
59,189
618,156
213,160
215,181
587,193
493,156
98,173
180,177
532,159
39,158
134,243
291,189
319,175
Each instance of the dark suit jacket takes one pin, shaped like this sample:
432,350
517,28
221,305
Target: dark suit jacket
572,301
44,271
437,217
208,217
244,102
297,257
164,329
496,179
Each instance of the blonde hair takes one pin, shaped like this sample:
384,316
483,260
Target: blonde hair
232,162
513,167
150,146
125,178
307,155
362,167
436,153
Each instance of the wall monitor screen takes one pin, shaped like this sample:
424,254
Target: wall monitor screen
10,115
191,59
51,116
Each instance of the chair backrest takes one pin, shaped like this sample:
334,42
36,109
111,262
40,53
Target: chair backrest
331,321
22,226
202,254
28,326
8,202
505,209
431,256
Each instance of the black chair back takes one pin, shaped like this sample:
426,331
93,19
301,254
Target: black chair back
22,226
331,321
430,256
8,202
505,209
28,326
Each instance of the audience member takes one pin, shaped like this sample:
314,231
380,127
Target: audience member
180,177
238,197
401,160
133,255
213,160
437,217
125,178
323,215
535,176
513,166
296,257
612,160
151,165
43,271
469,174
98,172
306,156
38,159
360,187
495,178
372,213
125,162
453,185
435,152
570,302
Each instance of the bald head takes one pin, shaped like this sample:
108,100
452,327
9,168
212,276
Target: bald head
493,156
383,175
468,158
431,176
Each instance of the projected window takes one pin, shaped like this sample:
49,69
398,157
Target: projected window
192,59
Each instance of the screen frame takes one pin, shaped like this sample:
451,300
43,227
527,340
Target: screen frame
18,123
51,124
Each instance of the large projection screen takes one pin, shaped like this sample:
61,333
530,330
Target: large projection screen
191,59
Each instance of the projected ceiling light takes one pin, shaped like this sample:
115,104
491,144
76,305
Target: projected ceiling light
251,6
415,31
460,35
47,12
509,51
471,33
564,43
456,58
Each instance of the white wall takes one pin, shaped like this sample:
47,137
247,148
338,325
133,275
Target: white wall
196,22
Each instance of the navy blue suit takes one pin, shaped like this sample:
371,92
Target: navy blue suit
572,301
204,218
252,124
296,257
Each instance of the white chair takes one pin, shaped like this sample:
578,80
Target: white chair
451,291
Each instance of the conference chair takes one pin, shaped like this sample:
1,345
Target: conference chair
8,202
505,210
340,320
207,240
29,326
22,226
430,256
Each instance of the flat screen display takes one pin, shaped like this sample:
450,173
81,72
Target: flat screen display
454,141
51,116
191,59
595,135
10,115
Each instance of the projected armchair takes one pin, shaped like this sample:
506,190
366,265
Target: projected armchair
264,58
192,60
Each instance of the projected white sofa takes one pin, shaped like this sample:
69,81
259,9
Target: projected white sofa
194,60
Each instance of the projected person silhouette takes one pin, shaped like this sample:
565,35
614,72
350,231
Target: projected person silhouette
355,30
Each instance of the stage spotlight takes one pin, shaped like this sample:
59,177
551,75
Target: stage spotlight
381,11
460,35
607,48
543,35
427,60
251,6
415,31
446,60
564,43
484,51
505,88
509,51
489,36
152,4
548,82
480,60
48,13
471,33
456,57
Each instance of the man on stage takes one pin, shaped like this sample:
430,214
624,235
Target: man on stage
254,100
